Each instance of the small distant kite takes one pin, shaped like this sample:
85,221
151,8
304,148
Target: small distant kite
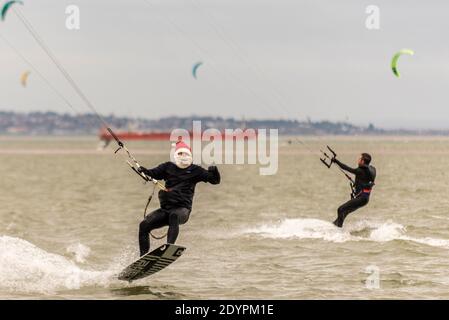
195,68
394,61
6,7
24,78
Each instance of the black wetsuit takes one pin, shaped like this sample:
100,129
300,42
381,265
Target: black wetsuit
364,182
176,203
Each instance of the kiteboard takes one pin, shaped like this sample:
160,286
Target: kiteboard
152,262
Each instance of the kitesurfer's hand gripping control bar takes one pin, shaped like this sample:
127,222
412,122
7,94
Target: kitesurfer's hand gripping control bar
136,164
326,156
330,161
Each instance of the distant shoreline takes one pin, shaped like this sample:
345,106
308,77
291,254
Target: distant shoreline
283,138
44,124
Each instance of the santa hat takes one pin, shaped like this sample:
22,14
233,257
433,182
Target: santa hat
181,146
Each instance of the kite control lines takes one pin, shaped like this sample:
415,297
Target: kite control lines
132,162
135,167
329,160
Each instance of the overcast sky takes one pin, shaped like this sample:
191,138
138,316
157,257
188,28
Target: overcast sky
262,59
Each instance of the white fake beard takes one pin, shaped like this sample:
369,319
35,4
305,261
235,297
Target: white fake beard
183,162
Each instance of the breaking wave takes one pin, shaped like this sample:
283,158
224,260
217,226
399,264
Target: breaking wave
302,228
26,268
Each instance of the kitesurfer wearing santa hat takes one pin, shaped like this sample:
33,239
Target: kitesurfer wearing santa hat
180,178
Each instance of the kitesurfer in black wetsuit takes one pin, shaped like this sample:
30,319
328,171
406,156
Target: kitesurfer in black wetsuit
365,174
180,178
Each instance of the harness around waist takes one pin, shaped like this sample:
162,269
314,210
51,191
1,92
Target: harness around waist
363,191
366,188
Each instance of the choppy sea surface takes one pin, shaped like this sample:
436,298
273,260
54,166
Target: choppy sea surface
69,218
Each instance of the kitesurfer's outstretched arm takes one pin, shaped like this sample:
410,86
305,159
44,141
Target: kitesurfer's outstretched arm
211,175
158,173
345,167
